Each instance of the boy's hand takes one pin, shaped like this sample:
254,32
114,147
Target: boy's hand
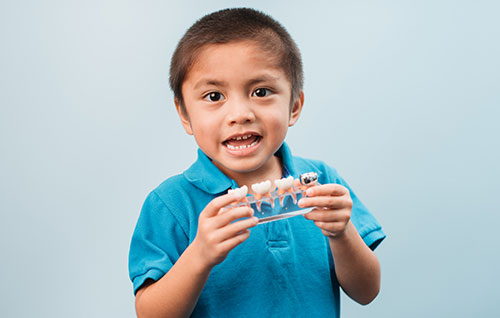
216,235
333,208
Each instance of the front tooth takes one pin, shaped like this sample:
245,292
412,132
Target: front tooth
262,187
240,147
284,183
238,138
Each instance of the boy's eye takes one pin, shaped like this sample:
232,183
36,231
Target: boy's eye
262,92
214,96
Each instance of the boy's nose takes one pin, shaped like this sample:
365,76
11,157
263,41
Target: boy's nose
240,113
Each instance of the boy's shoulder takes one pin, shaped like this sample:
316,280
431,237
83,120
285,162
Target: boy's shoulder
176,191
201,178
199,183
170,190
174,183
326,173
175,200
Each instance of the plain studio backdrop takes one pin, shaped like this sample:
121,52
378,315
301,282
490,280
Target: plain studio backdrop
402,97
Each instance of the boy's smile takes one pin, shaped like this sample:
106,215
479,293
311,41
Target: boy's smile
237,102
242,144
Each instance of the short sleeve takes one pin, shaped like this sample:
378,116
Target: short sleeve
368,227
157,242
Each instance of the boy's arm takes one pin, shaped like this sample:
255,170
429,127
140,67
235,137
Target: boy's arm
177,292
356,266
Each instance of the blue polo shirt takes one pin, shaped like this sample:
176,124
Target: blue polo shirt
284,269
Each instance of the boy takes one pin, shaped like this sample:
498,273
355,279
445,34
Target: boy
237,80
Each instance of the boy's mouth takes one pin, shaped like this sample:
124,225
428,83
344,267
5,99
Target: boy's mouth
242,141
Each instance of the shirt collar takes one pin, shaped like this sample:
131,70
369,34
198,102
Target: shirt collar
206,176
287,160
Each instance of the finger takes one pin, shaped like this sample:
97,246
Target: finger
331,189
234,241
325,201
212,208
236,228
331,227
327,215
231,215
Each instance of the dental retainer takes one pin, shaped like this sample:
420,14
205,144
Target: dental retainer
279,202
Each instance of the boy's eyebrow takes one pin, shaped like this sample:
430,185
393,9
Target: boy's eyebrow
263,78
259,79
209,82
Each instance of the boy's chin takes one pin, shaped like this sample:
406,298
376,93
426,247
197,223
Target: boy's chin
232,168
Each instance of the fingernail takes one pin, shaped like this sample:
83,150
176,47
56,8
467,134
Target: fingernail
301,201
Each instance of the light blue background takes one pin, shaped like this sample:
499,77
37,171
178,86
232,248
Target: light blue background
402,97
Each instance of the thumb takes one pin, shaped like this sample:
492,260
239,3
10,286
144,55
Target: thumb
213,208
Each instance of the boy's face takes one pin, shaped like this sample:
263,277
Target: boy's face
238,106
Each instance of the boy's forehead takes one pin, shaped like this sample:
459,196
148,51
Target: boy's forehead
221,51
244,58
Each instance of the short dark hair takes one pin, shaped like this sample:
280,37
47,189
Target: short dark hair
230,25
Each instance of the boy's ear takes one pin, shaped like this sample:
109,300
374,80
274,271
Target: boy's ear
184,117
296,109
